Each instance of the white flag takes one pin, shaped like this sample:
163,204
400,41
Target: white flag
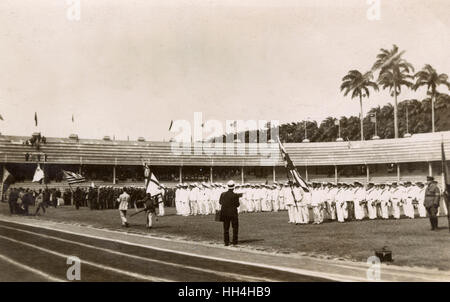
38,174
153,186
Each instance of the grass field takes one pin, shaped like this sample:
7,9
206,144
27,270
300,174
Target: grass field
411,241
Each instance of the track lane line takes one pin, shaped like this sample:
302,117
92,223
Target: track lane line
100,266
328,276
204,270
31,269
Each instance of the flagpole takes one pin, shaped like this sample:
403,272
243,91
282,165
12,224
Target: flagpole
376,124
292,190
339,127
3,183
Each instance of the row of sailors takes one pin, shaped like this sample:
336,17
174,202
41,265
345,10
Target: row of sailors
203,199
342,201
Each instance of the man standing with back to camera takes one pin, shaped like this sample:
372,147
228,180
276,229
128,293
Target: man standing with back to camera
431,203
229,202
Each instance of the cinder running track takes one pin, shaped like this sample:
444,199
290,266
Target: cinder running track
38,250
30,253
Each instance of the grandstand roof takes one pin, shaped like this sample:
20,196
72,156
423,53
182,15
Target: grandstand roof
418,148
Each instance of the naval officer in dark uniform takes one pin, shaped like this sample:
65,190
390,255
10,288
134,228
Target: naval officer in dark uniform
229,202
431,202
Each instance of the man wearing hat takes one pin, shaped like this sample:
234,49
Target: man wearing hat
420,199
316,203
274,197
123,201
385,197
408,207
349,195
331,200
202,199
160,198
291,204
431,202
282,196
396,200
359,199
229,202
193,196
340,203
371,198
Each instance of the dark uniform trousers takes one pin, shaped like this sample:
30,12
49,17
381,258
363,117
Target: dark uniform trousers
229,202
432,214
234,221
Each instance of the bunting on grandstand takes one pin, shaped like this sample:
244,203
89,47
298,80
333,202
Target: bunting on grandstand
72,177
6,175
153,186
38,174
291,169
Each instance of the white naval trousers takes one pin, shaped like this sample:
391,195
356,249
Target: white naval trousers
408,208
194,208
304,211
291,213
396,209
340,211
178,207
317,214
371,209
359,210
384,210
123,216
275,205
422,210
161,211
149,219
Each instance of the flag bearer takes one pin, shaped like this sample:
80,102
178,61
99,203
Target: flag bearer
123,201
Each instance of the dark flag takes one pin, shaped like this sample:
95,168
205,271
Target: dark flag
1,117
72,118
72,177
171,123
35,119
291,169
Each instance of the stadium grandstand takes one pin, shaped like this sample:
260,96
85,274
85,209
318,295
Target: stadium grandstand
112,162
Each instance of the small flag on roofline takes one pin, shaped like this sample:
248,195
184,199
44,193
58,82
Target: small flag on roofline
1,118
171,123
72,177
35,119
373,118
292,170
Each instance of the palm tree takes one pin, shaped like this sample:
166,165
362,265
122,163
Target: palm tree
429,77
359,85
394,73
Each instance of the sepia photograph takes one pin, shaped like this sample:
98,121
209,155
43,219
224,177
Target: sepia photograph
224,146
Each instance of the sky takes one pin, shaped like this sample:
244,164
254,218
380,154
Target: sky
127,68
